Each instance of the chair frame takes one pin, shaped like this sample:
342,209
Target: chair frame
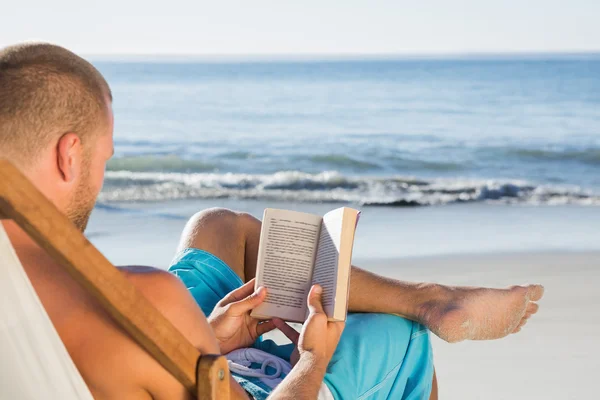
204,376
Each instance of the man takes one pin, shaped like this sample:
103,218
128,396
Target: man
56,125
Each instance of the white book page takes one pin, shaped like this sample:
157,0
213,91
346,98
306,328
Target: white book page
285,261
327,259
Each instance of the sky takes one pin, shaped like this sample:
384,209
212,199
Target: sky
305,27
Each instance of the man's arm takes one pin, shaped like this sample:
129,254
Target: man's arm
234,328
316,344
303,382
168,294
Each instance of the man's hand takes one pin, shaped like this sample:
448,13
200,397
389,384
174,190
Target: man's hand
319,337
231,321
316,344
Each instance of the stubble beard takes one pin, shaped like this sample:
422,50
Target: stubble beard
82,204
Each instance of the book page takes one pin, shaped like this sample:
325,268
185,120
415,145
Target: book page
327,259
285,260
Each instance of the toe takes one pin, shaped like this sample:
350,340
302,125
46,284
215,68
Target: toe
520,326
522,323
535,292
532,308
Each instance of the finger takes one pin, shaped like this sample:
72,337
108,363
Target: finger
287,330
264,327
338,326
314,300
240,293
250,302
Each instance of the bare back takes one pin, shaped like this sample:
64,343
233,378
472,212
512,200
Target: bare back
111,363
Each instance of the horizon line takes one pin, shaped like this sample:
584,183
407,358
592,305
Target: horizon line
340,56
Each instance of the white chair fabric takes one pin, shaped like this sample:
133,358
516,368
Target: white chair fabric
34,363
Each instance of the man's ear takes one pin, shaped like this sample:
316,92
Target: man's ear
69,152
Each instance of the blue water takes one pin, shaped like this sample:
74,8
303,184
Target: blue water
398,132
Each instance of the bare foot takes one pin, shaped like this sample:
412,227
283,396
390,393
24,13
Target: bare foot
464,313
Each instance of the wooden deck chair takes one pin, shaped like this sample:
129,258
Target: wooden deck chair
33,361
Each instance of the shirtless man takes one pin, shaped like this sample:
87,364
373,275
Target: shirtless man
56,125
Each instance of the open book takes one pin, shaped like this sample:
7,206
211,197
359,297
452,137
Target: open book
298,250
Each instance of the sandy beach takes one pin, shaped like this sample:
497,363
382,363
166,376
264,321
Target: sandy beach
554,357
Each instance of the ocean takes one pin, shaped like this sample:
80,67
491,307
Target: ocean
394,132
442,156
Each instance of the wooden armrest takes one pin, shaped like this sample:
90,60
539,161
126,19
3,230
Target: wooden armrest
213,377
206,376
22,202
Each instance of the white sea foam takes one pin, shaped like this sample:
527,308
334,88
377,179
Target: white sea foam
331,186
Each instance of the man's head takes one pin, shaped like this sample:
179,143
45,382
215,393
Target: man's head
56,124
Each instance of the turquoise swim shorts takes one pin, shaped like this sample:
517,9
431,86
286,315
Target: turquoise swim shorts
379,356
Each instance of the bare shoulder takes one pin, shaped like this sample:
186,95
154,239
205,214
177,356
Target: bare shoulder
163,289
153,281
113,365
170,296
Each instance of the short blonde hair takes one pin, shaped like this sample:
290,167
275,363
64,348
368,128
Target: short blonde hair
45,92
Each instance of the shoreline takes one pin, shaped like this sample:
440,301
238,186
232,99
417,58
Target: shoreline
149,232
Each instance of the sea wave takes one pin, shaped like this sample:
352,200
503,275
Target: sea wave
589,156
158,163
364,163
332,186
343,161
536,163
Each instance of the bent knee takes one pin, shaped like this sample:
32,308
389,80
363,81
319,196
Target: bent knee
221,232
209,225
212,218
220,221
218,216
